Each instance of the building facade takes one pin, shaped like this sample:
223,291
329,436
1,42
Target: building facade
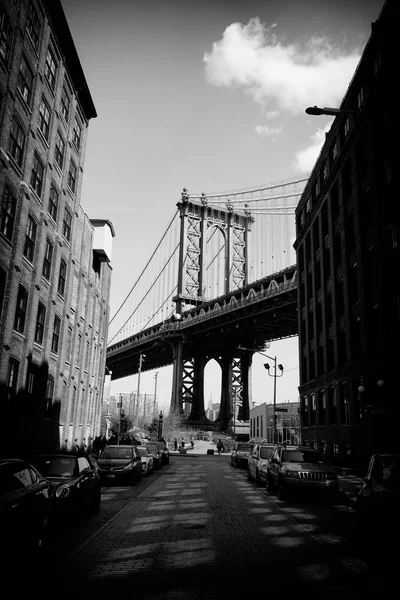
287,417
55,268
347,245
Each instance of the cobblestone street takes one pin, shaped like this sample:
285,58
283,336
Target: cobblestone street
201,530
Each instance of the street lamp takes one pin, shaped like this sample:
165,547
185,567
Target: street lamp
326,110
274,375
141,356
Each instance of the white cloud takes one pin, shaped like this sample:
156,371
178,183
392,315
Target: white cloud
287,76
268,131
305,160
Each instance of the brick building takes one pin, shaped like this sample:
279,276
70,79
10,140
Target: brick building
348,243
55,269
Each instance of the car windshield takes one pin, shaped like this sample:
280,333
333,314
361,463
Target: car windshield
152,449
265,452
117,453
57,466
244,447
302,456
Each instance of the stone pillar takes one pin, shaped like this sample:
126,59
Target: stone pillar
244,410
176,394
198,411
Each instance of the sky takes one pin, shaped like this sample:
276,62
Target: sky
209,96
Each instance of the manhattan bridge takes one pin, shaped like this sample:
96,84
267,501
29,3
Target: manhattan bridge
221,284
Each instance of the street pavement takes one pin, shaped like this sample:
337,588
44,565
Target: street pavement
201,530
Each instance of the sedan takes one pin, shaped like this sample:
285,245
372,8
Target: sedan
155,451
147,461
120,463
76,481
26,508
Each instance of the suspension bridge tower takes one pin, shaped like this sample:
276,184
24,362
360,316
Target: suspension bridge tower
213,261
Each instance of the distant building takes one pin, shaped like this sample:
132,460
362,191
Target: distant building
55,272
348,257
288,427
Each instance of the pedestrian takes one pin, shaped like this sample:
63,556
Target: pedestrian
183,443
192,443
220,446
175,444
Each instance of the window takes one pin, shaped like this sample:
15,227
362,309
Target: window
16,143
25,80
30,238
360,99
12,378
304,411
77,134
67,222
20,311
62,277
65,104
33,26
49,394
40,319
47,260
44,118
53,203
346,128
37,175
50,69
5,36
8,207
56,334
59,151
72,176
3,279
322,407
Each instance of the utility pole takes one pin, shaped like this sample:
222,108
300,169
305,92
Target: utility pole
155,394
120,413
138,390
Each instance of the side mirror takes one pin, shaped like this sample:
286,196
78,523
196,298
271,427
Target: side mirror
367,482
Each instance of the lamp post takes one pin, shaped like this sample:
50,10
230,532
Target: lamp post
138,390
275,375
155,394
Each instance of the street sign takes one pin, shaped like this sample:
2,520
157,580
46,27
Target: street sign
281,410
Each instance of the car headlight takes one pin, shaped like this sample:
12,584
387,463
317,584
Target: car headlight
129,466
63,491
291,474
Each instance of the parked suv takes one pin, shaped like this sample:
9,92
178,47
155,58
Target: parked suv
120,463
300,469
258,462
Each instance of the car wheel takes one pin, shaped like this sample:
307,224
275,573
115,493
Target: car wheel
249,475
282,491
43,537
269,484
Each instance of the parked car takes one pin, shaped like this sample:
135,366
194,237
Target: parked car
162,446
147,460
378,500
120,463
26,509
258,462
75,479
298,469
154,450
240,454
